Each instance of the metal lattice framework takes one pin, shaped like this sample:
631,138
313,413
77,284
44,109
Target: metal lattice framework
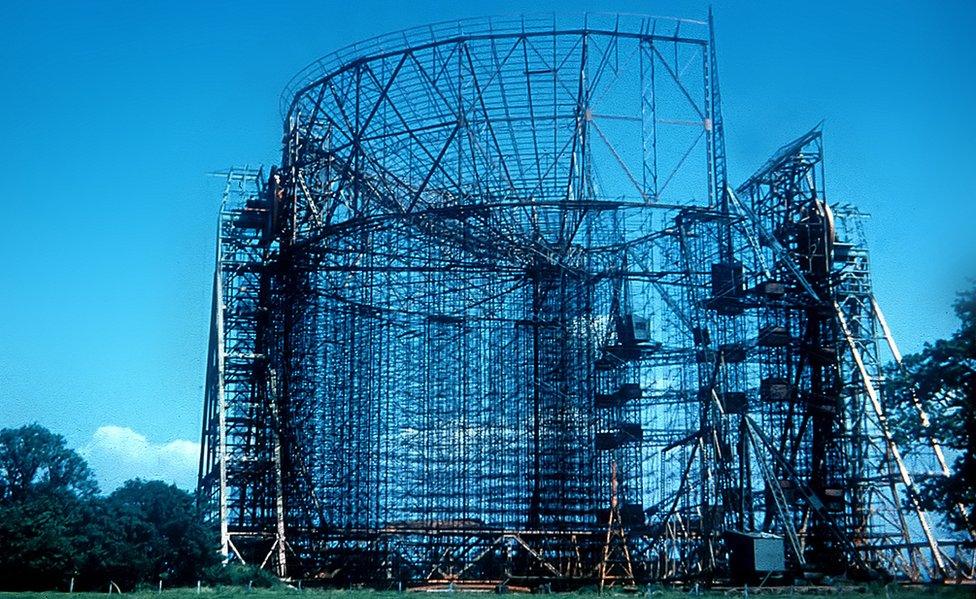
499,317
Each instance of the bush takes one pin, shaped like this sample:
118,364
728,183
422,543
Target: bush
235,574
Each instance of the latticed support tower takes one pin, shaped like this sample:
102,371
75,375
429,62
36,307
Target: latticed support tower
500,293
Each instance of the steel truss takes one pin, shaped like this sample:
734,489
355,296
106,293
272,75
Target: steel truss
499,318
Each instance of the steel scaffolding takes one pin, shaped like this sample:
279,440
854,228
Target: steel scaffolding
499,318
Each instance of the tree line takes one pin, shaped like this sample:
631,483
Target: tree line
55,526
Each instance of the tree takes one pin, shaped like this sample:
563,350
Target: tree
34,460
159,535
54,526
47,539
943,377
46,509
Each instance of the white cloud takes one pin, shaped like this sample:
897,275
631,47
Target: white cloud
118,453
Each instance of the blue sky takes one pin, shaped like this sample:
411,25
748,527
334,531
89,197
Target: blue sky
112,113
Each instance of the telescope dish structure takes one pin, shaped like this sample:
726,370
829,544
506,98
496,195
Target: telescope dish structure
498,317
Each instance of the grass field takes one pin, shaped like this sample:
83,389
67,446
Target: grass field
865,592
